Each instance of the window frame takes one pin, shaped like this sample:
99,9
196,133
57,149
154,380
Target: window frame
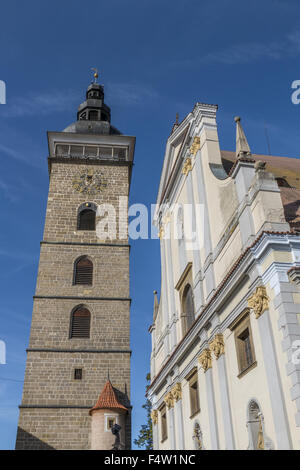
90,206
194,394
163,423
77,260
239,327
78,307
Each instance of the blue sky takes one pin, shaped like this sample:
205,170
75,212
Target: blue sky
156,58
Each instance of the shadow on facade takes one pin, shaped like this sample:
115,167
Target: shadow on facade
26,441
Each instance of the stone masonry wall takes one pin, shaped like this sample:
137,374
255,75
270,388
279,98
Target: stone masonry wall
54,411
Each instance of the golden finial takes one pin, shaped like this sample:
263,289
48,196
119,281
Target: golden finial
95,74
177,118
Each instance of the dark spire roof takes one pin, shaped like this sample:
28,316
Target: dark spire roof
93,115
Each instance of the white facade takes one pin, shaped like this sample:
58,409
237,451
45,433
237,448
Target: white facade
238,341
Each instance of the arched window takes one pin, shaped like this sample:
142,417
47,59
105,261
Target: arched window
282,182
80,322
86,217
188,311
83,271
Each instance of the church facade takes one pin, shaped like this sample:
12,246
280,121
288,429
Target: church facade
225,361
79,341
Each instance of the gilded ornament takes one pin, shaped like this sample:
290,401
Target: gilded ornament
260,439
259,301
161,232
195,145
187,166
205,359
154,416
169,400
89,182
217,346
176,392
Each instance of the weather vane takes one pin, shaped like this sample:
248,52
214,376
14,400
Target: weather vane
95,74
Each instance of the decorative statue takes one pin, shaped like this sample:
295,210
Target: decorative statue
116,428
197,437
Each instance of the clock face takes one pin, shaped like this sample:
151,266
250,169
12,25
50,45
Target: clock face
89,182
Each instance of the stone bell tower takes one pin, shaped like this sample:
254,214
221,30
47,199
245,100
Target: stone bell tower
81,309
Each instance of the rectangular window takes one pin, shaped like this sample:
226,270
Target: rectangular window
77,374
110,422
164,429
194,394
244,343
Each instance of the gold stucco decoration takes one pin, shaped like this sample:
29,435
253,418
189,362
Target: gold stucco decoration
154,416
195,145
167,218
205,359
187,166
169,400
259,301
176,392
161,232
260,440
217,346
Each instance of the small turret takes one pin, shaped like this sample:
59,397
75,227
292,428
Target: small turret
107,414
242,146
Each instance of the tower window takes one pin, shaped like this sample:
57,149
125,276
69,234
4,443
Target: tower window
86,217
83,271
80,323
93,115
77,374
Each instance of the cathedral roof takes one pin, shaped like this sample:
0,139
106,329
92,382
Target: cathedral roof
287,173
108,399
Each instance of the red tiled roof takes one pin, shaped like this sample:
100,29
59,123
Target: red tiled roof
108,399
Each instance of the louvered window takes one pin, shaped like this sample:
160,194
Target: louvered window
87,220
80,324
83,271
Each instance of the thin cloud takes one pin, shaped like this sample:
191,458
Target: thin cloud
40,103
129,94
28,155
56,101
18,255
10,192
248,52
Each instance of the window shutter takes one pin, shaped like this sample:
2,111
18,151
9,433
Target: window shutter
84,272
87,220
81,320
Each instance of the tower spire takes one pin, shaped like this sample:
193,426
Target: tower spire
155,306
242,146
